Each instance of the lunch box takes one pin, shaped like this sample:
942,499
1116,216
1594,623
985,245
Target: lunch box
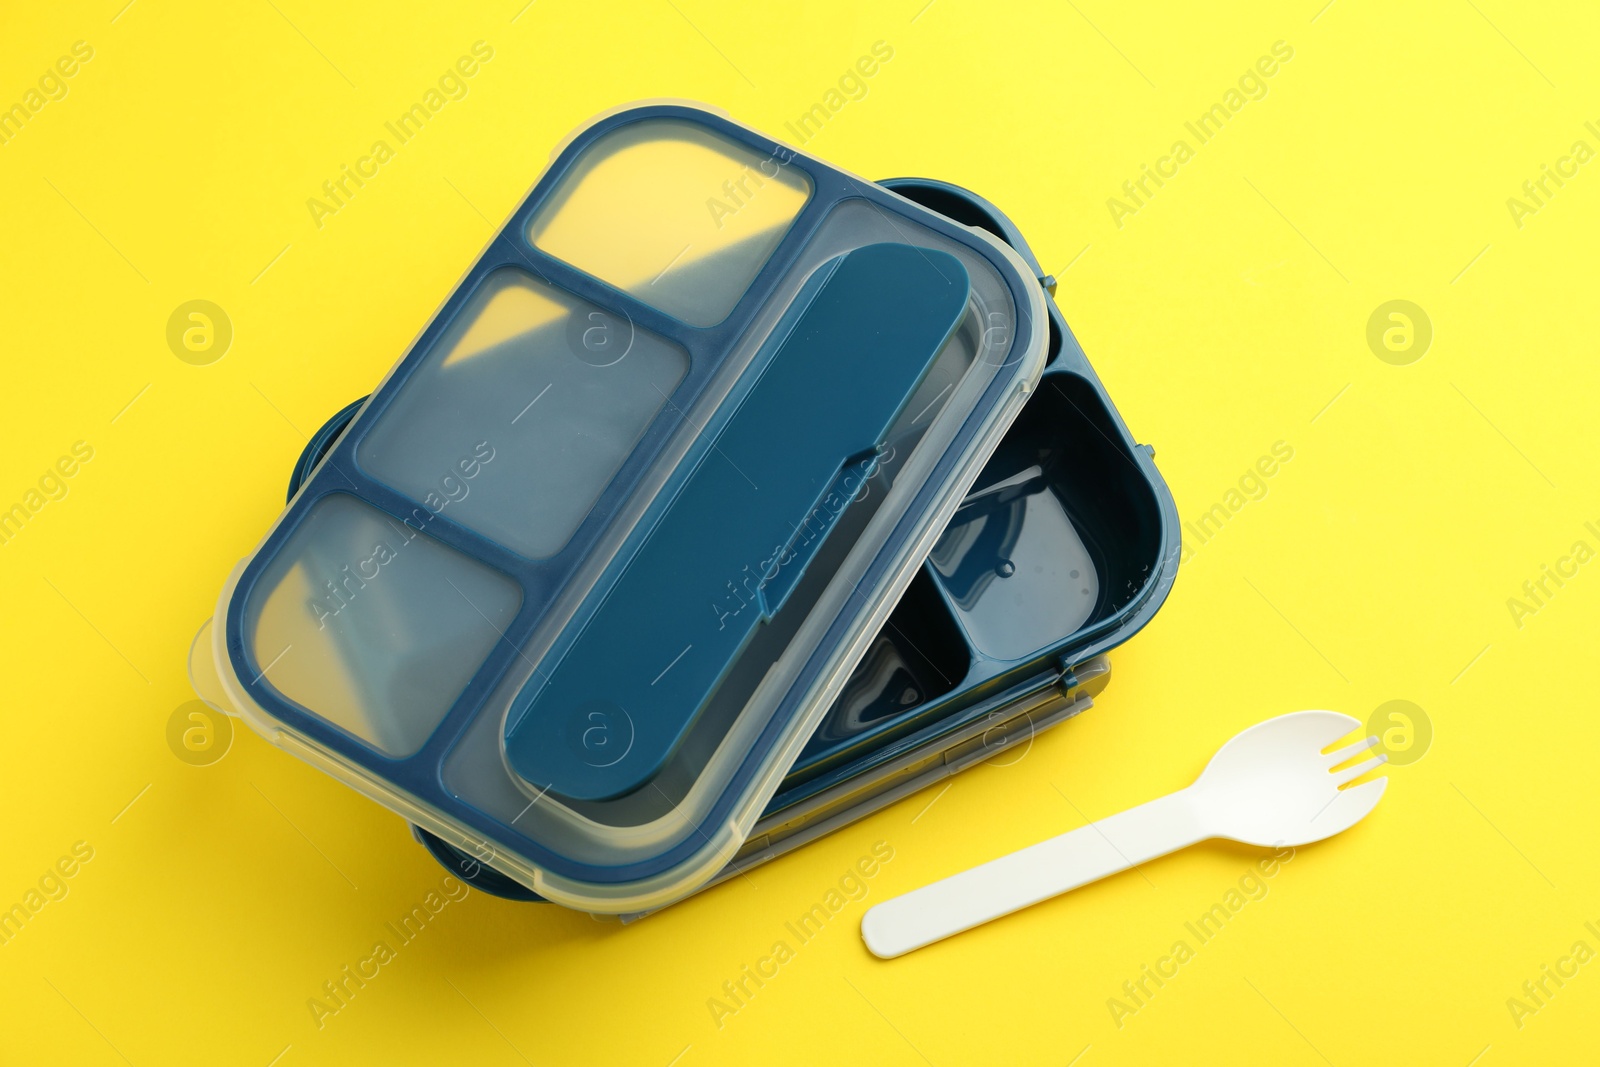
666,548
1065,547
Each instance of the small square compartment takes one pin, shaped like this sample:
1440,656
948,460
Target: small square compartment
1054,537
673,214
374,625
918,656
523,410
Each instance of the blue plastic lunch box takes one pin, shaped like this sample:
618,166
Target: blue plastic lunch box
700,520
1069,505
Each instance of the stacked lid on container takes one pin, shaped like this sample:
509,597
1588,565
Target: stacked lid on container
577,584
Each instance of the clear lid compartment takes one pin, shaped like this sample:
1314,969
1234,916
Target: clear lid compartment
672,213
523,412
578,582
373,623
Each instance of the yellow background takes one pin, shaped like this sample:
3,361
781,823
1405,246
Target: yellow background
1229,313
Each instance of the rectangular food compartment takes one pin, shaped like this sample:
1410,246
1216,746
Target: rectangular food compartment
1082,539
405,619
476,432
919,656
1054,537
635,212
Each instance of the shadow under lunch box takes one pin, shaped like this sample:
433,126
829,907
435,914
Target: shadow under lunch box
761,557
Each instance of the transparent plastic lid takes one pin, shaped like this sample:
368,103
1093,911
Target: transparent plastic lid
580,579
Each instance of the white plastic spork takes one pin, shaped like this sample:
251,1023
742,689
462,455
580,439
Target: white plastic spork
1270,786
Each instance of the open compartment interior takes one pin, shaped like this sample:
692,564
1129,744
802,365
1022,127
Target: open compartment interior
1058,534
919,656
